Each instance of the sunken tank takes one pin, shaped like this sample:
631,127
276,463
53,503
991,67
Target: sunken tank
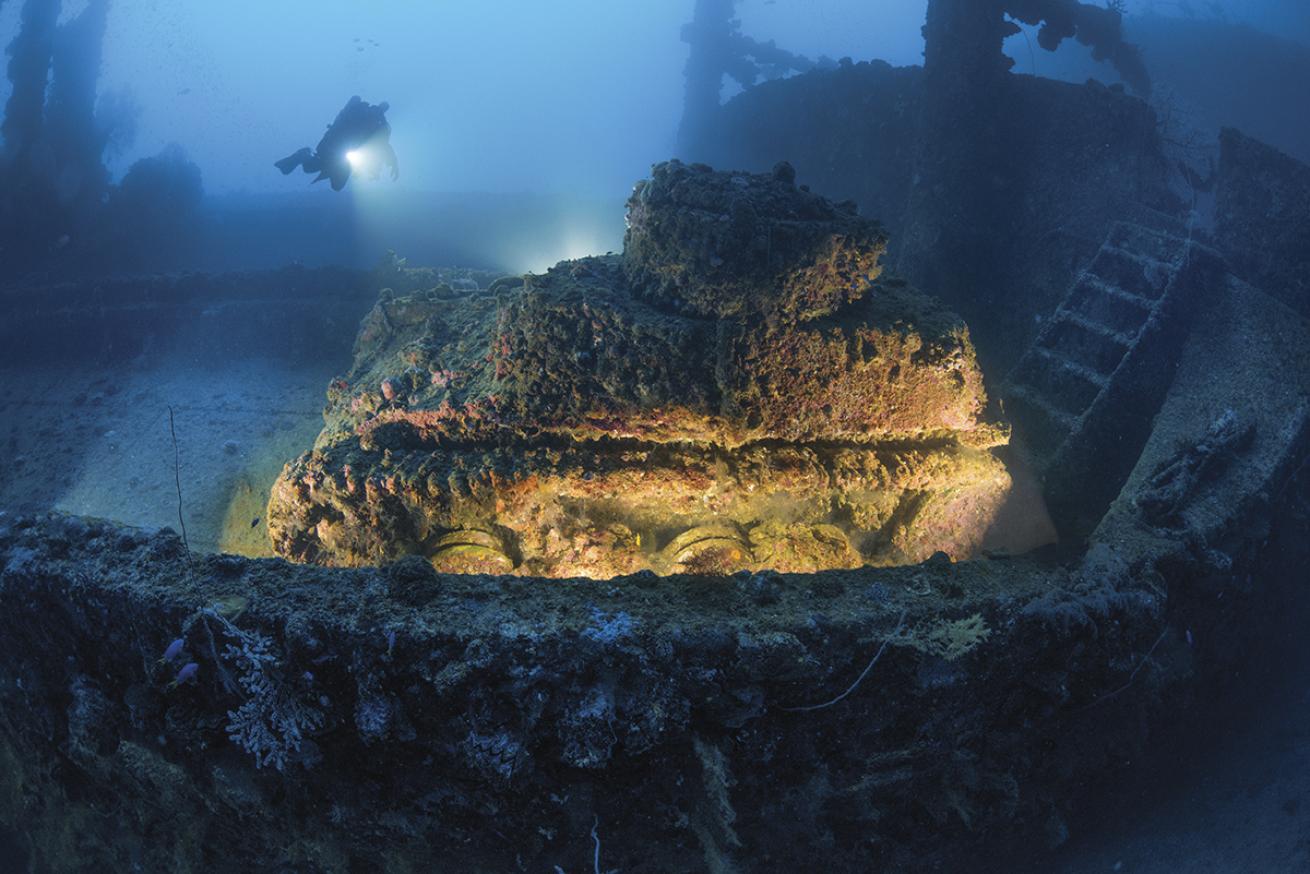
738,389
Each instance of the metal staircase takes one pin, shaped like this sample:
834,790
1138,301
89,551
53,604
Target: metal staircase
1082,397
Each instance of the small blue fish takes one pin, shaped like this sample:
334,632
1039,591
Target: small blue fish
174,650
188,673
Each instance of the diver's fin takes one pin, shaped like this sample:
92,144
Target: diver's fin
291,162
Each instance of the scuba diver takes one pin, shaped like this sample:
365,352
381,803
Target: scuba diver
359,139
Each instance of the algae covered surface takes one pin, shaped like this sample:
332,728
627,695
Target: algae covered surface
395,717
739,389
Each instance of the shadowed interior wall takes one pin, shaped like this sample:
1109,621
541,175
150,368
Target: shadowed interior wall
1062,162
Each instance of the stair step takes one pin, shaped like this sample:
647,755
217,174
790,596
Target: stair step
1157,244
1141,275
1092,326
1054,358
1118,292
1118,309
1153,219
1043,426
1085,342
1066,385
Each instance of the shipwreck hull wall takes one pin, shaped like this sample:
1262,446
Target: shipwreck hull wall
480,722
1263,217
472,721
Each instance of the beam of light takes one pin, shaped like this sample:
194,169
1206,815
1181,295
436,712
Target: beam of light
376,210
380,214
572,243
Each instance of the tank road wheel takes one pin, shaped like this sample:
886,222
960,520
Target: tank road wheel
709,549
471,551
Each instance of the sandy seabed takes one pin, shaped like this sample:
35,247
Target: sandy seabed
98,443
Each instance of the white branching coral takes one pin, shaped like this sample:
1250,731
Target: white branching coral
272,722
951,639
